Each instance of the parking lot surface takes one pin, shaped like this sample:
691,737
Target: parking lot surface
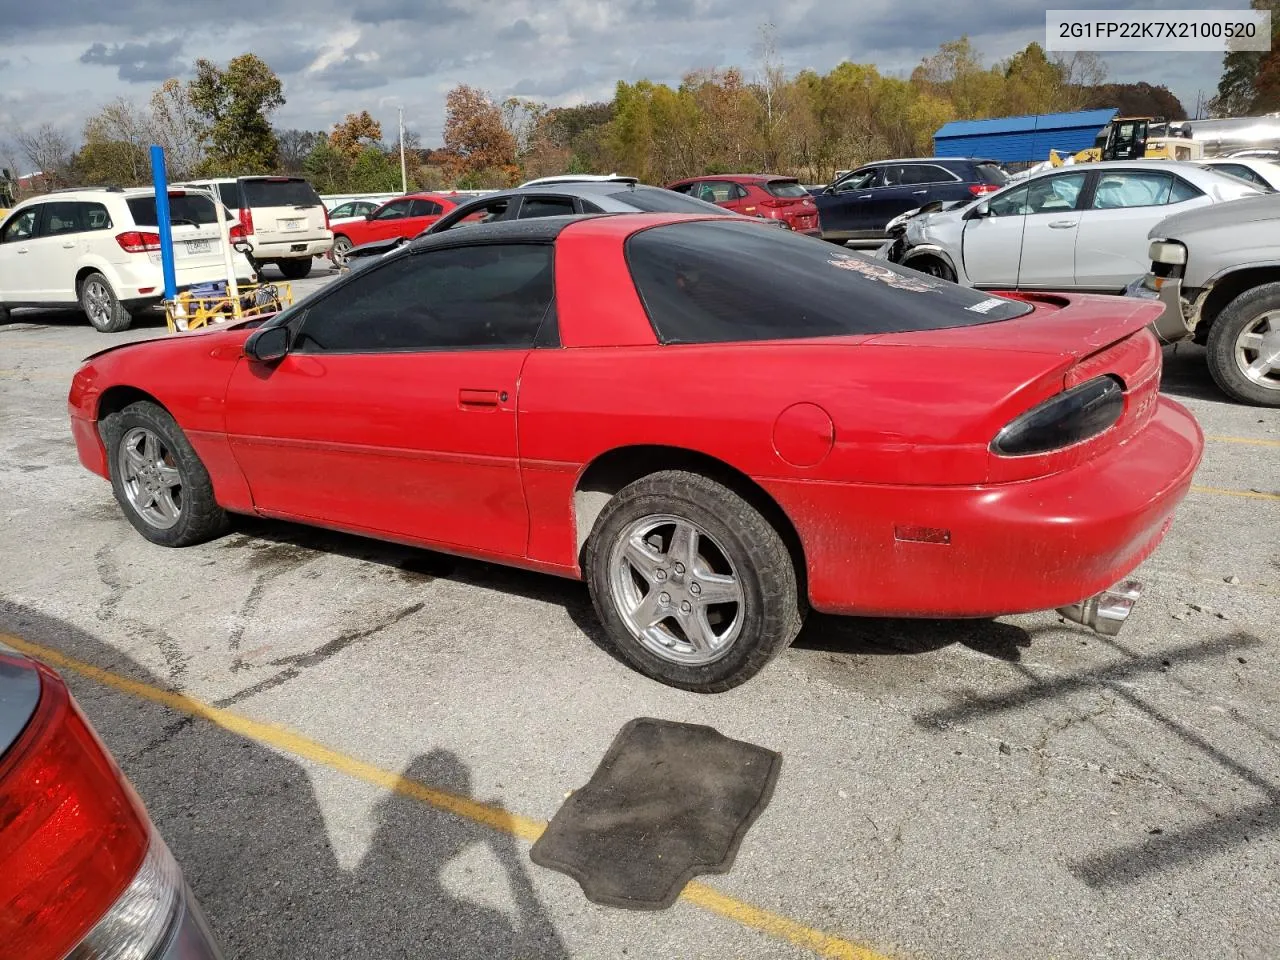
349,745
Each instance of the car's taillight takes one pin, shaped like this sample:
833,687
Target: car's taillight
136,241
1069,418
776,202
73,834
327,225
246,219
981,189
237,232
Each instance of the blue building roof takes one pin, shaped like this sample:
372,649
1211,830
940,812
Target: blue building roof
1093,119
1021,139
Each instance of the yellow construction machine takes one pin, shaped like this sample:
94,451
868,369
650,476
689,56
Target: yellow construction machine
1135,138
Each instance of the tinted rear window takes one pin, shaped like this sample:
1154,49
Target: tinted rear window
657,200
279,193
990,173
786,188
193,209
701,283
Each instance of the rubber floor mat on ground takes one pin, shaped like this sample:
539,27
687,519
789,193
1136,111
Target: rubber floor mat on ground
668,802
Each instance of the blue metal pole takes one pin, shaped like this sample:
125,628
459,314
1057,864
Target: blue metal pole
161,180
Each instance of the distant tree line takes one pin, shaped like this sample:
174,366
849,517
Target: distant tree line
761,118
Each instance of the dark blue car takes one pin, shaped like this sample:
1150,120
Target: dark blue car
860,204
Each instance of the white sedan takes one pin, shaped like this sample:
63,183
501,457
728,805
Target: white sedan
1082,227
1263,173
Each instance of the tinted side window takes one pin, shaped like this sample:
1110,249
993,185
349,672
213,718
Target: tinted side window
63,217
342,210
423,208
230,194
191,207
394,210
96,217
1183,191
545,207
493,295
281,192
924,173
698,284
21,226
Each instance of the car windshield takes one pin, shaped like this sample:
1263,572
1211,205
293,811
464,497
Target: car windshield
280,193
699,282
657,200
189,207
786,189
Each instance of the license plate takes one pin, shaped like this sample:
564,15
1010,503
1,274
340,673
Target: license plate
290,224
198,246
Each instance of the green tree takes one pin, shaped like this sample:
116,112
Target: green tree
234,106
327,169
1250,81
374,172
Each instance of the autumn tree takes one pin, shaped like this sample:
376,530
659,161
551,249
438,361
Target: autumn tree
1250,80
294,147
479,145
48,150
175,124
354,134
115,150
234,106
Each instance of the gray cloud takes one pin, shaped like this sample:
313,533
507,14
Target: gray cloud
548,88
438,12
4,63
288,58
351,74
519,32
139,62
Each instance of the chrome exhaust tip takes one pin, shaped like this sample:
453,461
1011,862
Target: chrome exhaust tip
1105,612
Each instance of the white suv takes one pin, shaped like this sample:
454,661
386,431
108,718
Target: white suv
100,248
285,221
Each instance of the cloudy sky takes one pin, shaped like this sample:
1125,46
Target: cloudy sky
60,59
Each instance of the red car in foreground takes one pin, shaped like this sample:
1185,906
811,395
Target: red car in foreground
619,398
757,195
405,216
83,873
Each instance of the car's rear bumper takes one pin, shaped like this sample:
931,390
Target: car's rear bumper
1173,325
191,938
1010,548
292,249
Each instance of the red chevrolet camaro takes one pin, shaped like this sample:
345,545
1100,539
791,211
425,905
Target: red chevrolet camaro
619,398
405,217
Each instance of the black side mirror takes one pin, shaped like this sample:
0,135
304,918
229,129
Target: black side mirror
267,344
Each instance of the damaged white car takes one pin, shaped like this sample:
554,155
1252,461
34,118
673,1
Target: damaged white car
1083,228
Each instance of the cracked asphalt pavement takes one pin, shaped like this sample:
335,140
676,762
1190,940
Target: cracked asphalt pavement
1016,788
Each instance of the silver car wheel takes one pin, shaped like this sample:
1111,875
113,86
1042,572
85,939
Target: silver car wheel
150,478
97,303
341,246
1258,351
676,590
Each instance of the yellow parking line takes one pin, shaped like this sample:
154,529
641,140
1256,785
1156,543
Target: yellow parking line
488,815
1248,441
1247,494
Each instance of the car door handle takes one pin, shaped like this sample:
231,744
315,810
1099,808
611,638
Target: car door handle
919,192
69,245
480,399
1063,224
865,196
22,250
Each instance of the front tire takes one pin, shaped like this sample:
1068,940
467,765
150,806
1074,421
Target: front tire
695,588
295,269
158,479
1244,347
101,305
933,266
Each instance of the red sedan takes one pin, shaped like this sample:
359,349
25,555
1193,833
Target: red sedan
617,398
757,195
405,216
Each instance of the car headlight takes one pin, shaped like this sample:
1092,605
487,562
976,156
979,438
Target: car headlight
1069,418
1168,251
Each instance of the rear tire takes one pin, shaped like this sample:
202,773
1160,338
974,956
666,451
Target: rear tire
295,269
99,302
674,631
1247,328
341,247
158,479
4,314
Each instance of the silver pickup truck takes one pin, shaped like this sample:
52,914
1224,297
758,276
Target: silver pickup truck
1217,271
